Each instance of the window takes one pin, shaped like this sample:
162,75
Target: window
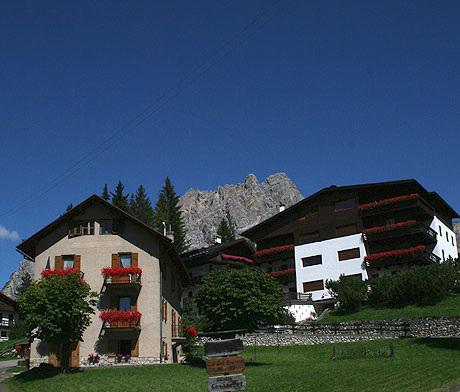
345,205
447,236
313,286
68,261
125,304
78,228
440,231
125,260
345,230
106,226
349,254
452,238
355,276
4,334
312,260
307,238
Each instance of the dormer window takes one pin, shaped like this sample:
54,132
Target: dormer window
77,228
110,226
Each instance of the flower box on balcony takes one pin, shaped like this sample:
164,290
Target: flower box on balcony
275,250
121,319
237,258
62,272
397,254
384,202
120,275
276,274
396,226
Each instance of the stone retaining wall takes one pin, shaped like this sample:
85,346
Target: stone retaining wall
353,331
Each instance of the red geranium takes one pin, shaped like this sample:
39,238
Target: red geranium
63,272
396,254
276,249
239,258
190,331
396,226
119,271
289,271
384,202
119,315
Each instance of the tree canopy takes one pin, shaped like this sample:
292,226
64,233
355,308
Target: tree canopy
57,309
140,206
240,299
167,210
224,231
105,193
118,199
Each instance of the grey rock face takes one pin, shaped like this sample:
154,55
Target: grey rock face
243,205
25,267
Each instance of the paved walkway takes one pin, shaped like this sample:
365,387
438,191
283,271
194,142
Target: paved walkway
4,365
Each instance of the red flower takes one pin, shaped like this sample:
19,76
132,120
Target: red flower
118,271
17,348
63,272
236,258
289,271
384,202
190,331
396,226
276,249
116,315
396,254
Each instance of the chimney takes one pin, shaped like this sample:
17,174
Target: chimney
218,239
170,235
282,207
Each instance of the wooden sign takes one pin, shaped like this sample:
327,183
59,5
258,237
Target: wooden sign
223,348
236,382
225,365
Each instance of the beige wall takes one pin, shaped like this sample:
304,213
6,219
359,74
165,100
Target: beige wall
96,252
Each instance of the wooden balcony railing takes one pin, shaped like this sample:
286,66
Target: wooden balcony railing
297,298
419,228
122,324
413,202
129,279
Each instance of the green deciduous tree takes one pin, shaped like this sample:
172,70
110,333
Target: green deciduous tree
141,207
224,231
235,299
349,291
118,199
105,193
167,210
57,309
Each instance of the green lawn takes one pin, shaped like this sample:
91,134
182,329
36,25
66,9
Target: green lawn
4,345
418,365
448,307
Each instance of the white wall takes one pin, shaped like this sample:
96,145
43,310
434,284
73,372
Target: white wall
444,243
331,267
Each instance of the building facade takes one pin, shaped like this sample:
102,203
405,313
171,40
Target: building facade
99,239
360,231
9,315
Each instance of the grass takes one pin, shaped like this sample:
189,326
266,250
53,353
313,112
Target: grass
417,365
448,307
5,344
16,369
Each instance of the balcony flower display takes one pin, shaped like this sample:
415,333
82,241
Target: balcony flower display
396,254
119,271
239,258
396,226
384,202
63,272
118,315
276,249
290,271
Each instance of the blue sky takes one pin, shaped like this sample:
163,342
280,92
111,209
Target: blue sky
329,92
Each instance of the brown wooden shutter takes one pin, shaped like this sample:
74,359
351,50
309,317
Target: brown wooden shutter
75,355
54,357
135,345
77,261
114,301
166,311
58,263
134,259
133,303
113,347
115,260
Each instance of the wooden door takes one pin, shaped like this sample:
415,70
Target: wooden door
54,357
74,360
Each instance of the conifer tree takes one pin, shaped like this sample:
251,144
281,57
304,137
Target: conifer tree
105,193
224,231
118,199
141,207
167,210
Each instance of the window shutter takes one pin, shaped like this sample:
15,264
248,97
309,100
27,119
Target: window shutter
58,263
77,262
113,348
133,303
134,259
114,301
166,311
135,350
115,260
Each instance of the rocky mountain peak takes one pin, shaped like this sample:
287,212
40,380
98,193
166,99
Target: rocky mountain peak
243,205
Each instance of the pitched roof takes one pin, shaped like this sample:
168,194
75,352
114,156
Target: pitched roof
8,301
435,198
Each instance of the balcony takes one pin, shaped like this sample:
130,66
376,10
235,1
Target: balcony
418,231
177,333
271,254
6,323
415,255
121,320
416,207
122,277
284,276
297,299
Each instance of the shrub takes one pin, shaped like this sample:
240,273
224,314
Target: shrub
349,291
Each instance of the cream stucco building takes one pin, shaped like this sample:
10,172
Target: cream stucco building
94,235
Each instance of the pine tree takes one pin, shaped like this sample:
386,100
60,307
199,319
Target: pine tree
141,207
105,193
225,232
167,210
118,199
69,207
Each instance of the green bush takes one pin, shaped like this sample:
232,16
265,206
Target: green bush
421,285
349,291
19,330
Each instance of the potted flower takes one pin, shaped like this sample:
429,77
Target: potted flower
127,357
93,358
119,357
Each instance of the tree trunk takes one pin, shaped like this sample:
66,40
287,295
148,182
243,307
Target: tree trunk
65,357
